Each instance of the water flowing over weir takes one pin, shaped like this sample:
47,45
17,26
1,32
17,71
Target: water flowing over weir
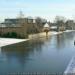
9,41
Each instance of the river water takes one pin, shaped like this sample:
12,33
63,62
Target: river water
41,55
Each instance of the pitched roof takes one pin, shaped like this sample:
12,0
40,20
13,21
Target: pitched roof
46,25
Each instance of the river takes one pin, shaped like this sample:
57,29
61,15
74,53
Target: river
41,55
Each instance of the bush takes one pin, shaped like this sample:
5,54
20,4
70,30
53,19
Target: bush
13,35
10,35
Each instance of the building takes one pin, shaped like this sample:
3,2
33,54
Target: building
46,27
21,26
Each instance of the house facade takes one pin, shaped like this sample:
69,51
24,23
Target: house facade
19,26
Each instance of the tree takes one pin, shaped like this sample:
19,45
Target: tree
60,22
40,23
40,20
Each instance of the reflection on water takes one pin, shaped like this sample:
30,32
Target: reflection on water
22,50
50,54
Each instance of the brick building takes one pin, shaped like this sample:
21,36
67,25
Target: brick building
20,26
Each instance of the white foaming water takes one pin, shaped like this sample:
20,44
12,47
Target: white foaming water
8,41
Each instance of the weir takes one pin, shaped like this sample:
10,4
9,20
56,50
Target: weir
9,41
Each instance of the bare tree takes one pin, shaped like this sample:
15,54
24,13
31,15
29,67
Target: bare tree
40,23
60,22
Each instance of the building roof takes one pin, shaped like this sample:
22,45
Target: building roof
53,27
46,25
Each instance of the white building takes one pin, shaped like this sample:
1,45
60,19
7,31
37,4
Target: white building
46,26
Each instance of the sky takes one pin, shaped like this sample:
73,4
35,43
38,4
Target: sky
47,9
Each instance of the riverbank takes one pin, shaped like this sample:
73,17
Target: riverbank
9,41
43,34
